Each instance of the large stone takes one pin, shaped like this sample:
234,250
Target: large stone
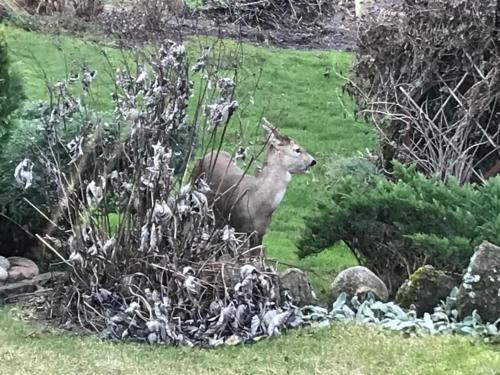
480,288
425,289
4,263
295,281
22,268
358,281
4,275
12,290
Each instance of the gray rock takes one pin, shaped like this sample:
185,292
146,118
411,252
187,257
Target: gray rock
22,268
4,275
10,290
358,281
295,281
4,263
425,289
480,288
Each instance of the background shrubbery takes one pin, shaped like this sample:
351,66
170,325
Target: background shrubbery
11,96
19,216
393,227
426,76
11,92
19,219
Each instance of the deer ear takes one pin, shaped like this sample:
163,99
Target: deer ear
268,127
270,133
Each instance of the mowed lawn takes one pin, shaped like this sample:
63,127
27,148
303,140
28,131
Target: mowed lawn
301,93
341,349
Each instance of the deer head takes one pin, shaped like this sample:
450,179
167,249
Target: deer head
284,153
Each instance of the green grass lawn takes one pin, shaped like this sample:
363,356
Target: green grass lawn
300,92
341,349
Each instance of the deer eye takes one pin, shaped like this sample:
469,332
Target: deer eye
297,150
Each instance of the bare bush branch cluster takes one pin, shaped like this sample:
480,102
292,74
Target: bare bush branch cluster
86,9
37,6
272,14
144,256
427,76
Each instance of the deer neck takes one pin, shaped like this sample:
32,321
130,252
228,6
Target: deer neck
271,184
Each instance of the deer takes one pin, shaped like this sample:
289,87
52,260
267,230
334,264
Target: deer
247,202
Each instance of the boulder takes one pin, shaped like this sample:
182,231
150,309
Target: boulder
12,290
22,268
425,289
480,288
4,275
358,281
4,263
295,281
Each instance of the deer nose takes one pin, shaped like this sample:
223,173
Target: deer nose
312,163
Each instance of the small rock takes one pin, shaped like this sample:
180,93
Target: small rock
358,281
295,281
22,268
153,338
4,275
480,288
425,289
4,263
10,289
233,340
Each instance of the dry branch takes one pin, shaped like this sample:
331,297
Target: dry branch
274,14
427,77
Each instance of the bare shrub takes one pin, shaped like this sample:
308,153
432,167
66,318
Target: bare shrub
271,13
37,6
154,12
144,257
427,77
87,9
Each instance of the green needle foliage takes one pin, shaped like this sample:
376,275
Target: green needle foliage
394,227
11,92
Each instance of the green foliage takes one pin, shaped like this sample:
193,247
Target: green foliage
11,92
389,315
394,227
17,216
340,166
18,219
11,96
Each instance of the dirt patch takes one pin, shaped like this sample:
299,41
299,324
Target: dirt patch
299,25
334,33
330,31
